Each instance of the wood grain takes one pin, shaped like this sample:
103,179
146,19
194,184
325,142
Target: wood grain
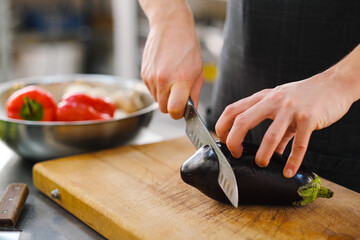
12,204
136,192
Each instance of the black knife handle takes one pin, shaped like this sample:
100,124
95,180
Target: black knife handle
12,204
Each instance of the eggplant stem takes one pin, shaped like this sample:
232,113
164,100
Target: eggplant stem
313,190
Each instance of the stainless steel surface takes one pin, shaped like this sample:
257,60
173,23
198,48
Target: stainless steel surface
9,235
200,136
42,218
47,140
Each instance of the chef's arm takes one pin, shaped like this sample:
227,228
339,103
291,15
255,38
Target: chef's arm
160,11
172,65
348,73
296,108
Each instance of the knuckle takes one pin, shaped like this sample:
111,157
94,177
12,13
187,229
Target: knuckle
295,161
299,148
289,103
276,96
271,138
229,109
263,92
304,116
161,76
240,120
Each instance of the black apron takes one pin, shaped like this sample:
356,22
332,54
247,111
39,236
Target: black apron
272,42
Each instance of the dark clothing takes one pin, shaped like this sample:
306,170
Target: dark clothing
272,42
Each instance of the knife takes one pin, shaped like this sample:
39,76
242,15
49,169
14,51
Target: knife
199,135
11,206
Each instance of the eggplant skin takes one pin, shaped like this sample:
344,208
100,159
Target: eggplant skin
256,185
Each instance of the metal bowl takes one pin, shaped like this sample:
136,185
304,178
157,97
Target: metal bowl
46,140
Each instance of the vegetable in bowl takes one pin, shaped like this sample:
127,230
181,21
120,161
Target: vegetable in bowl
31,103
42,140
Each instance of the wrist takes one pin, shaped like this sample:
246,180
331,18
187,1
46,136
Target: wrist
161,12
347,74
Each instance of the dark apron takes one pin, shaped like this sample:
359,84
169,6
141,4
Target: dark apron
272,42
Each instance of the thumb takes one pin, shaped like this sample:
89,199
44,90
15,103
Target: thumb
179,95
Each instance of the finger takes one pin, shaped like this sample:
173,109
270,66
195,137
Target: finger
243,123
289,134
148,78
226,120
196,89
271,139
154,92
179,95
301,141
151,87
163,97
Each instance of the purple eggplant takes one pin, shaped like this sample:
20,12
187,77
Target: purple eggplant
256,185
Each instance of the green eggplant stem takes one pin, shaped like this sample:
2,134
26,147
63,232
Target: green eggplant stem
31,110
313,190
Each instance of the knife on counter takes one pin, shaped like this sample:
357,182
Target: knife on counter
200,136
11,206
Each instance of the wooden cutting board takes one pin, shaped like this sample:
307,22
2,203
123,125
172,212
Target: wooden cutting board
135,192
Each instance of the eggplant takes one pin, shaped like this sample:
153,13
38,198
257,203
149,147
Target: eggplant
256,185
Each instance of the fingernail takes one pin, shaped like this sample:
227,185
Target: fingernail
288,173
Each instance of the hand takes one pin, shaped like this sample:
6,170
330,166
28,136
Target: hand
297,109
172,64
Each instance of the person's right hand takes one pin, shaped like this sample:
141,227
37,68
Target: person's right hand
172,65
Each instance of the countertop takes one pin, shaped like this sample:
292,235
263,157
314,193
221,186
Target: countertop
42,218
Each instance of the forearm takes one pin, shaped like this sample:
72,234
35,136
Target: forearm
161,11
347,74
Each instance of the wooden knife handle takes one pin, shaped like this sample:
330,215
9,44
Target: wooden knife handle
12,204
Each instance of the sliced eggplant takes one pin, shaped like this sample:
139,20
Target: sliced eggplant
256,185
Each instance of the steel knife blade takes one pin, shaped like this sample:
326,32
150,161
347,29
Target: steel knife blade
200,136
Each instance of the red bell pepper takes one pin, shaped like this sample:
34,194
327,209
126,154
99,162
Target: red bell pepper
31,103
80,107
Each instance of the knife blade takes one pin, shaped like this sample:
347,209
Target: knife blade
10,234
11,206
200,136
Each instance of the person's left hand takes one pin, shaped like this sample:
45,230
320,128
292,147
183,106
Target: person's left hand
297,109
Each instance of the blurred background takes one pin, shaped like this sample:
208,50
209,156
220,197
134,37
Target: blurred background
40,37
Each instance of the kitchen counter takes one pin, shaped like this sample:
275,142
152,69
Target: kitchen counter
42,218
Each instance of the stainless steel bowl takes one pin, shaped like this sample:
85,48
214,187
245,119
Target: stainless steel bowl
46,140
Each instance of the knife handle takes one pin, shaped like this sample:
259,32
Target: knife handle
12,204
